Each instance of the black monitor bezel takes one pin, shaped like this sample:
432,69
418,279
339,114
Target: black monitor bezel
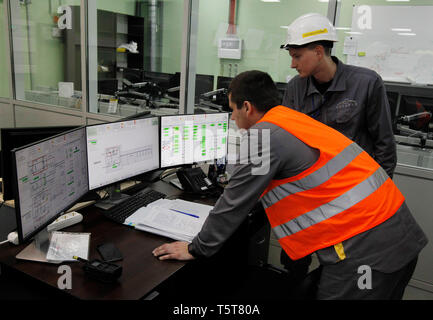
192,163
135,71
138,174
210,78
220,79
5,159
162,79
16,191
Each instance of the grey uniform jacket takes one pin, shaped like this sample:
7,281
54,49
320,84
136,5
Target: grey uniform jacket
386,247
355,104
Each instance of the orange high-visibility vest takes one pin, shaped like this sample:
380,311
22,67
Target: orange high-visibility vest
343,194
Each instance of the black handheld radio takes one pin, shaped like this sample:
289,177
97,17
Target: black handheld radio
100,270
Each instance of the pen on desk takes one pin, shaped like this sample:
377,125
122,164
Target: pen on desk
188,214
80,259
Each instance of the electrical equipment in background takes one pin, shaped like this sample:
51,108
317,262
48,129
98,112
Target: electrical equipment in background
230,48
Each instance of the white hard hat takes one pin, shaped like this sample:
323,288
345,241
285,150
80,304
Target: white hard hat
309,28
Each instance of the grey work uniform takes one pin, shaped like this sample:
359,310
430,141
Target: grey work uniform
354,104
386,247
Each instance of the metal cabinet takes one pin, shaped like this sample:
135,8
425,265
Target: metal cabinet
414,178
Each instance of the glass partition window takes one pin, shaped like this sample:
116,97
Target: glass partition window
394,39
46,52
135,56
236,36
4,77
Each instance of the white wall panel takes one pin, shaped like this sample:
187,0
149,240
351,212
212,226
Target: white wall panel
28,117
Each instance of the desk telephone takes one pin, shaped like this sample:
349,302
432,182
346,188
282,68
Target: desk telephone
194,179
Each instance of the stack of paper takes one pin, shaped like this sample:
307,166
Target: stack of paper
175,219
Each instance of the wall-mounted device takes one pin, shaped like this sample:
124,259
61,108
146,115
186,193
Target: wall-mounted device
230,48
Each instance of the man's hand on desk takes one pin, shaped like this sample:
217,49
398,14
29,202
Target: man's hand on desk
176,250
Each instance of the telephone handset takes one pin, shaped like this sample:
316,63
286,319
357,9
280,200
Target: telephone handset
194,179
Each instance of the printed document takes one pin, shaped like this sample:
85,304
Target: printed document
176,219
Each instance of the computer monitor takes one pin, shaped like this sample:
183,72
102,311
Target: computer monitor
281,87
12,138
175,80
187,139
392,100
160,78
120,150
410,105
223,82
107,86
131,74
50,177
203,84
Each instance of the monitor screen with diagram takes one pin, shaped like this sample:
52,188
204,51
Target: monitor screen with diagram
121,150
187,139
51,176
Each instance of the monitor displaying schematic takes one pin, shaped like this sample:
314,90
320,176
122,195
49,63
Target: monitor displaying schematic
121,150
12,138
50,176
187,139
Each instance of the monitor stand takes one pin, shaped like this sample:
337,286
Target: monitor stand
114,197
37,250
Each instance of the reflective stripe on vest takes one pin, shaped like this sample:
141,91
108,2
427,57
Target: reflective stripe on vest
330,209
314,179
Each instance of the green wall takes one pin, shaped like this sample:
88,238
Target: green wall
172,33
259,25
255,20
47,51
39,57
118,6
49,57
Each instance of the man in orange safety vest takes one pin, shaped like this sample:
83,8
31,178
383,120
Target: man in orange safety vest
322,193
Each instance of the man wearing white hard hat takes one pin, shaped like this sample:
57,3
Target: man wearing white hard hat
347,98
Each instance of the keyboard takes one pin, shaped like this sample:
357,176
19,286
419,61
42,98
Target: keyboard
120,212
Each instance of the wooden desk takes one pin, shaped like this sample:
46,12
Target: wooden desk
142,272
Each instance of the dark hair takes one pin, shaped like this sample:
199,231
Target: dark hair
327,46
254,86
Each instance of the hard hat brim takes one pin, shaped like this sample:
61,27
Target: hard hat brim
288,46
